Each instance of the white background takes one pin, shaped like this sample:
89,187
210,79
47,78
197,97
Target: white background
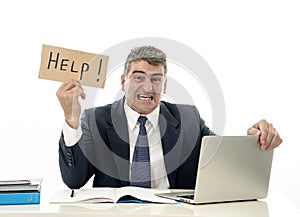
253,48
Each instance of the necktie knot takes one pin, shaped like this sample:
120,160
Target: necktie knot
142,120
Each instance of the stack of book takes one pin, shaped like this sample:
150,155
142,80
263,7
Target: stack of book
14,192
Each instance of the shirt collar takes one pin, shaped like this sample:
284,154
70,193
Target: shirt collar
132,116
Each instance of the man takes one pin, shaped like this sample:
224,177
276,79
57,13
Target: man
102,144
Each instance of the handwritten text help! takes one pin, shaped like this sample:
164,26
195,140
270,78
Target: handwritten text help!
60,64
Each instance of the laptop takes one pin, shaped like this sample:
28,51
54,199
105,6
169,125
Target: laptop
231,168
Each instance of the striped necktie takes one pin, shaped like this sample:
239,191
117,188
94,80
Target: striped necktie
140,168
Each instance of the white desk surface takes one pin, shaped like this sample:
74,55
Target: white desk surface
274,206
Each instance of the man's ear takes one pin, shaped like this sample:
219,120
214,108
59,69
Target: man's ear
123,82
165,87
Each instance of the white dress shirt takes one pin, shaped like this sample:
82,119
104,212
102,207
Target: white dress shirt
159,177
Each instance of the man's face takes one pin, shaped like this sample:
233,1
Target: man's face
143,86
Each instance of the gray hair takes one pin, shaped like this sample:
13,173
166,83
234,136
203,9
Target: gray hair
150,54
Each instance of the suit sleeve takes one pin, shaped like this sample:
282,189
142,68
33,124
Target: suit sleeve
75,168
204,130
193,126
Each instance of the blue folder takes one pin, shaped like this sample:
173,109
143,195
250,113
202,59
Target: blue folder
19,198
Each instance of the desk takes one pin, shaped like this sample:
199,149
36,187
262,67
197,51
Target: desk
273,206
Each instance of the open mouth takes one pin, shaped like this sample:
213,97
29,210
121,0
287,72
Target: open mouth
144,97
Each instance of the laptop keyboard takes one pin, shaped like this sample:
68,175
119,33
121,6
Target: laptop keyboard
188,196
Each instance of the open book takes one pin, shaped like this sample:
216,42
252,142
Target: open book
110,195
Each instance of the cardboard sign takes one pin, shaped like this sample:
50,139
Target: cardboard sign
60,64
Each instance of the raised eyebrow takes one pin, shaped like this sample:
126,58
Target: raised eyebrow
138,71
157,74
142,72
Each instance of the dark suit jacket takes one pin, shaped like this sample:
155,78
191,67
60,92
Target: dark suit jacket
103,150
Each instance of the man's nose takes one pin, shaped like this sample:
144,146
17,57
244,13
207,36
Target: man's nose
147,85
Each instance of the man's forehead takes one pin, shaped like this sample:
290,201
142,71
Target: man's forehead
145,67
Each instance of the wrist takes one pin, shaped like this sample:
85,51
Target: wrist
73,124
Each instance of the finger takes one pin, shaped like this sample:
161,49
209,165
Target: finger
263,126
79,91
66,85
73,93
276,140
273,139
69,84
269,135
253,131
67,97
260,129
82,92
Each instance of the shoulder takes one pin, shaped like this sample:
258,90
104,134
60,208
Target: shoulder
108,108
104,113
182,113
173,105
177,109
105,109
187,115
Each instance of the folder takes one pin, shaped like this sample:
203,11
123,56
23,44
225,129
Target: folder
20,198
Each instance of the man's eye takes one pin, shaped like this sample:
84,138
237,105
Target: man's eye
139,78
156,80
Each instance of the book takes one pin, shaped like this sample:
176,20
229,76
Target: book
15,182
110,195
14,192
20,185
19,198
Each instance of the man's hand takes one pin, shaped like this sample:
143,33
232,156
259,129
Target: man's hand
67,95
268,136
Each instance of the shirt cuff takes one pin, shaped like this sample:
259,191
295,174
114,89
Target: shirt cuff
71,136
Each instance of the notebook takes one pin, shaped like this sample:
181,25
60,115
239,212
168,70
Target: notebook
20,185
231,168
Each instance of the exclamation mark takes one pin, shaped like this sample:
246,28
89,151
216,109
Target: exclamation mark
99,70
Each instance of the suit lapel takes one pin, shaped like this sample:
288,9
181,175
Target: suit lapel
171,142
117,132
